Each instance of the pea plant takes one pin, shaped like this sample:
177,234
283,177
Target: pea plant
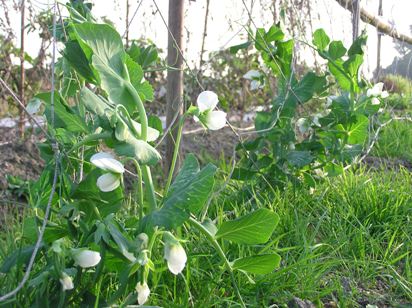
301,150
103,246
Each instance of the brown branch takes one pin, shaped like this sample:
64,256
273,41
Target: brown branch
377,22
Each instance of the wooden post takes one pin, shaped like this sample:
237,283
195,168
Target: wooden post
174,96
378,55
22,72
355,19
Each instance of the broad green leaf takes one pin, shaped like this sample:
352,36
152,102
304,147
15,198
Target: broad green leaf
144,56
336,50
138,149
260,264
65,117
109,60
337,70
358,45
320,39
188,194
359,130
78,59
234,49
136,76
309,85
253,228
299,158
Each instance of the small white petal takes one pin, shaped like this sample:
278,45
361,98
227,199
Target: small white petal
86,258
215,120
384,94
176,258
107,162
375,101
316,119
207,100
143,293
152,134
108,182
302,125
66,282
254,85
252,74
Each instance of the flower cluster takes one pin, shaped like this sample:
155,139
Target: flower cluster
376,93
212,119
110,180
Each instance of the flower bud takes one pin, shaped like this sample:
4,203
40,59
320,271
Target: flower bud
174,254
143,292
86,258
66,281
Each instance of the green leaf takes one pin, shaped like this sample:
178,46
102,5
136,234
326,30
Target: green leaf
65,117
136,76
336,50
299,158
78,59
320,39
359,130
253,228
308,86
337,70
236,48
358,45
108,59
188,194
138,149
260,264
18,257
144,56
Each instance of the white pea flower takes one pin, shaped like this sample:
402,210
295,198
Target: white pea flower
108,182
66,281
174,254
143,292
212,119
315,119
111,180
375,101
302,125
152,134
254,76
86,258
376,91
107,162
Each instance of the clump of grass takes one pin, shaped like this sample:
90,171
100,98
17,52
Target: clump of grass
395,141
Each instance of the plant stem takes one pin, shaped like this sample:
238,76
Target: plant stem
175,154
140,190
90,138
222,255
147,176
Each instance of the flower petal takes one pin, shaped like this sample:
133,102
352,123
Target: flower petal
107,162
66,282
108,182
384,94
143,292
252,74
176,258
152,134
86,258
207,100
215,120
375,101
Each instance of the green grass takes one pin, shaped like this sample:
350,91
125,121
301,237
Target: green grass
350,242
395,141
354,230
